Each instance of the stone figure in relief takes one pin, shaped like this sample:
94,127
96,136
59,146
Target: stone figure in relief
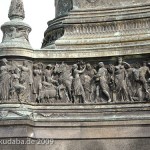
65,79
37,79
137,94
143,71
120,78
5,78
26,80
129,79
148,96
89,83
16,89
48,76
101,76
78,90
48,72
48,82
48,94
50,91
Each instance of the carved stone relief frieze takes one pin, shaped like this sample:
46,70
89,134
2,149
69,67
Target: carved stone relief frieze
77,83
15,81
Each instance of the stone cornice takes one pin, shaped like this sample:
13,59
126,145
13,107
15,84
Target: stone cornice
97,15
76,53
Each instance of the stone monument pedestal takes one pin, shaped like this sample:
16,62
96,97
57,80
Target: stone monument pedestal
78,127
88,88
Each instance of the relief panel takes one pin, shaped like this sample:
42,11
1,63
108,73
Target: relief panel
76,83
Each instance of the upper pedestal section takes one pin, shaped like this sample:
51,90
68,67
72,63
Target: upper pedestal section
63,7
107,4
99,25
15,32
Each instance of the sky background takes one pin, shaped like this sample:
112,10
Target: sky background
37,14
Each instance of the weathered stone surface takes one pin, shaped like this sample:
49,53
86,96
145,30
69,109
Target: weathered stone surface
116,81
73,127
63,7
100,25
15,32
109,4
88,88
16,10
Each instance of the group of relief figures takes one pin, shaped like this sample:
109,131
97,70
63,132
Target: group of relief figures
78,83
